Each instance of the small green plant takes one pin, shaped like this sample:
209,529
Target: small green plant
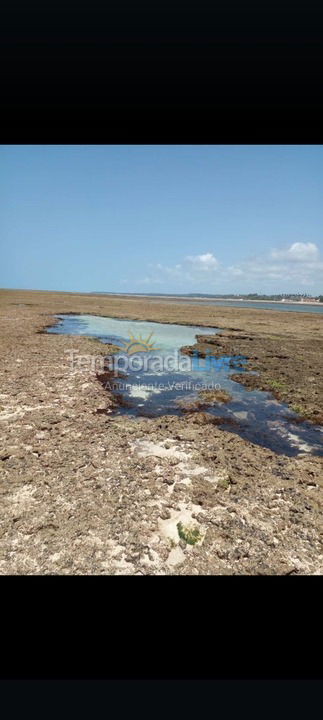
299,409
277,385
190,536
223,483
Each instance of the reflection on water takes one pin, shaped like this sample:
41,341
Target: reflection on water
258,416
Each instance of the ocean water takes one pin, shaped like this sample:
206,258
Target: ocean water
261,305
285,307
161,377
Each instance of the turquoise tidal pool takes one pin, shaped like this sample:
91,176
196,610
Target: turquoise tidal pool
151,377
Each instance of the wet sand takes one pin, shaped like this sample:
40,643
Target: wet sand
85,492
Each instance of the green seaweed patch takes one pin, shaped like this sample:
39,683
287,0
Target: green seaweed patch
299,409
277,385
223,483
189,535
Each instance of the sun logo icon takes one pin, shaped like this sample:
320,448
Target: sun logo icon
138,344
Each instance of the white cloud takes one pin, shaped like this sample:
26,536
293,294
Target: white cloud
185,275
297,252
204,262
235,270
298,265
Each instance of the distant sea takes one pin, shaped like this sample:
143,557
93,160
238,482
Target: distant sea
261,304
266,305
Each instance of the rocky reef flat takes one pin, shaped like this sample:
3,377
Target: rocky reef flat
84,491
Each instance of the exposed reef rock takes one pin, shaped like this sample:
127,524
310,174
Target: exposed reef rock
87,492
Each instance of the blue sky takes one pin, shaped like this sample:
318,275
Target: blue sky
162,218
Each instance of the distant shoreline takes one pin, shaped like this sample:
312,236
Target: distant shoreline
213,299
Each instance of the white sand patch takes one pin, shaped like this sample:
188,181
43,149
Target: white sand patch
23,498
116,563
151,558
159,470
183,481
93,539
21,411
190,470
114,549
175,557
11,416
220,475
146,448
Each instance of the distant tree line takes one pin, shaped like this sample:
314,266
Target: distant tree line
297,297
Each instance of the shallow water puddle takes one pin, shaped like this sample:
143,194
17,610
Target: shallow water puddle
157,377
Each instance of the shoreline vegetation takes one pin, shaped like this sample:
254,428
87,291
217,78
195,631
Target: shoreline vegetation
86,492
